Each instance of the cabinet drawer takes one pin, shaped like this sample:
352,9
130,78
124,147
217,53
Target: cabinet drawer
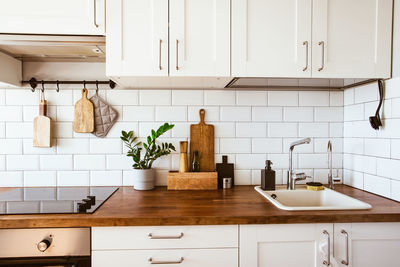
181,258
160,237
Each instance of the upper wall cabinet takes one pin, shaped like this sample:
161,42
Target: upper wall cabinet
77,17
352,38
271,38
198,43
344,38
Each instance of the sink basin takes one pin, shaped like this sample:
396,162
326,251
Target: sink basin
303,199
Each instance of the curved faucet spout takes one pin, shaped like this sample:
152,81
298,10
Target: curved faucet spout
300,142
291,181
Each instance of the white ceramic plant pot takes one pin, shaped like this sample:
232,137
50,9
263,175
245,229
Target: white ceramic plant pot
143,179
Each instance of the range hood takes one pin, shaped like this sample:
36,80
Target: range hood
60,48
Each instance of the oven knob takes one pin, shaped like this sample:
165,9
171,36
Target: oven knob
43,245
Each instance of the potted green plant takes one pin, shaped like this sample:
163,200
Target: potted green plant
152,150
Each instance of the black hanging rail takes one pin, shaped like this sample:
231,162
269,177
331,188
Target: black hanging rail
34,83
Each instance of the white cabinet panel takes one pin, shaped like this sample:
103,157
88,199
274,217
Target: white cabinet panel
163,237
137,38
199,38
186,257
352,38
85,17
369,244
271,38
10,70
284,245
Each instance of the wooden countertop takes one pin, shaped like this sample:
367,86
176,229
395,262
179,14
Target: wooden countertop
240,205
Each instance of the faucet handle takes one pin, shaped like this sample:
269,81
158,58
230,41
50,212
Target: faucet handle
300,176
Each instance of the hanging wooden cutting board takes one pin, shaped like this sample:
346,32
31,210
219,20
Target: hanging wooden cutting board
42,127
202,140
84,114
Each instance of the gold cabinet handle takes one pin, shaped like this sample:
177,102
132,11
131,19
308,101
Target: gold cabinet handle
177,64
166,262
151,236
328,261
346,262
159,60
95,14
306,44
322,43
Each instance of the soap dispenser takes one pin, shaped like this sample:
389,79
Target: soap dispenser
268,177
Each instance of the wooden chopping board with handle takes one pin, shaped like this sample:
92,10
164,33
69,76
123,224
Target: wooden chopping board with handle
84,114
42,126
202,140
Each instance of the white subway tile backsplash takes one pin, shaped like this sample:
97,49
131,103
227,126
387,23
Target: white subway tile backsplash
40,178
251,98
366,93
282,129
238,145
377,185
10,146
72,146
182,129
235,114
118,127
138,113
313,161
268,114
123,97
281,161
62,98
62,129
328,114
355,179
348,96
219,98
119,162
395,148
11,179
89,162
65,113
73,178
105,146
298,114
336,129
105,178
22,97
30,112
170,114
377,147
20,162
313,99
283,98
250,161
146,127
395,190
212,113
225,129
336,99
321,145
244,129
11,113
313,129
395,107
267,145
354,113
19,130
187,97
155,97
56,162
28,148
389,168
242,177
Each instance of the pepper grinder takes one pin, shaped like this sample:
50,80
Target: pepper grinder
183,160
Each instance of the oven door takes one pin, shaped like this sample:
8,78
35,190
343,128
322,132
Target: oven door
47,262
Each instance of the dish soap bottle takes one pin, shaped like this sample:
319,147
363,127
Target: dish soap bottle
196,162
268,177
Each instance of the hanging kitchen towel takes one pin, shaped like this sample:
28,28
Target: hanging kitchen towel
104,116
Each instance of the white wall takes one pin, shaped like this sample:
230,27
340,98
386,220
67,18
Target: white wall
372,158
250,127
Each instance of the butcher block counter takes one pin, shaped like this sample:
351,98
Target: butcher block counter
239,205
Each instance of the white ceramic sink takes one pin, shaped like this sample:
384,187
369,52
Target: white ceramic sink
303,199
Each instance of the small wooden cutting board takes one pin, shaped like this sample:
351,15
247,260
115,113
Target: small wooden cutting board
202,140
84,114
42,128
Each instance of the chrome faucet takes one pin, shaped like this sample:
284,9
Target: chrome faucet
293,177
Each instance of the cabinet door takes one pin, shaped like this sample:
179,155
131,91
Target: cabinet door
199,38
368,244
137,38
271,38
284,245
352,38
84,17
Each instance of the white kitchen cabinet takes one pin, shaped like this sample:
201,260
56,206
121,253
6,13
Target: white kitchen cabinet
271,38
181,257
141,44
199,40
10,70
77,17
367,244
312,38
352,38
284,245
137,38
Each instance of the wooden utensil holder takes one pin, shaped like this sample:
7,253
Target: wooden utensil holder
192,181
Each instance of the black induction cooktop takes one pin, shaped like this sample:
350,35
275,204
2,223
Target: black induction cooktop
53,200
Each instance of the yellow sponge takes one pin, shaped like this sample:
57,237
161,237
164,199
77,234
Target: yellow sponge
315,186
